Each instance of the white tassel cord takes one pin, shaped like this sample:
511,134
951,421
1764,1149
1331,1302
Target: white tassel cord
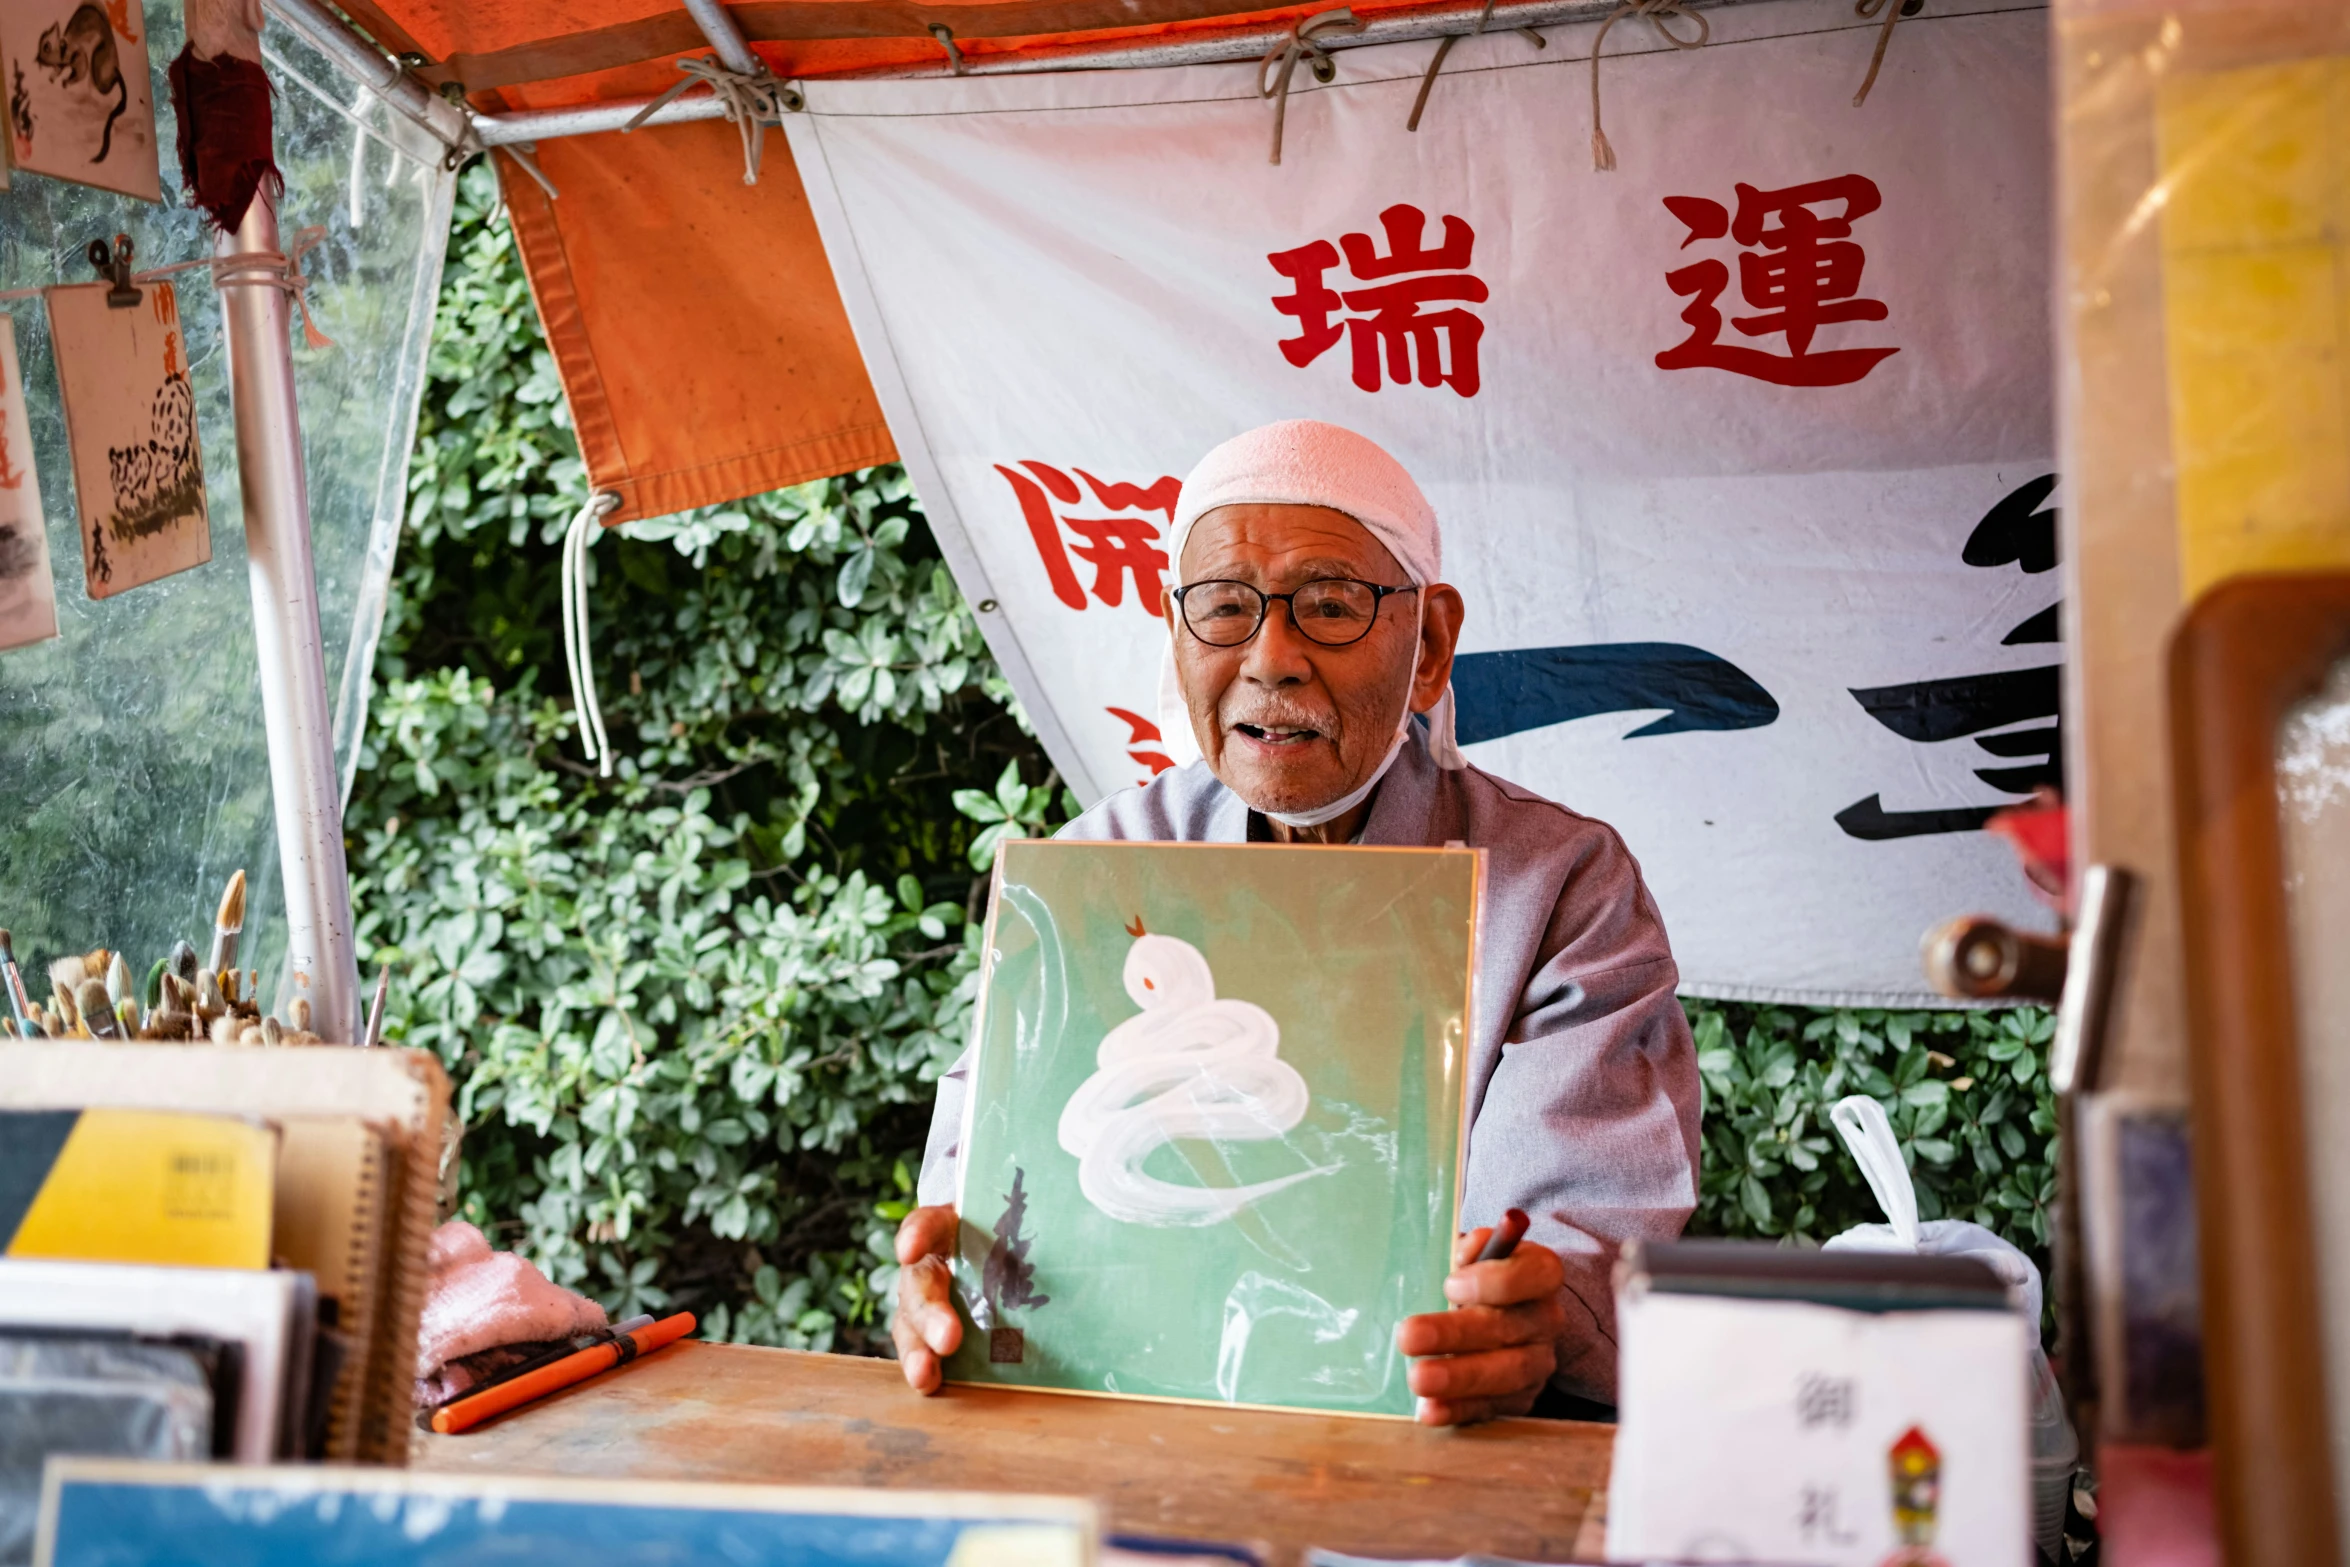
577,656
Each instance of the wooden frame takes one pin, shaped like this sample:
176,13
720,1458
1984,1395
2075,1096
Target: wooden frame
2244,655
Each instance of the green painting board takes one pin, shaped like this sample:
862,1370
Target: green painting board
1212,1142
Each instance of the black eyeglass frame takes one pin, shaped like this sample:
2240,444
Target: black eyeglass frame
1380,593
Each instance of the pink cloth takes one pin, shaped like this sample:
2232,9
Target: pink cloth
2154,1507
482,1299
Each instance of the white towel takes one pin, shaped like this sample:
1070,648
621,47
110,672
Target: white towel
1304,462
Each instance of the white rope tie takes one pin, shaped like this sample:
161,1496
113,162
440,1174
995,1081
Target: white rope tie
1603,155
577,656
244,269
753,100
1303,43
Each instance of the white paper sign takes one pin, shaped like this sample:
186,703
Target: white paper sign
130,414
80,102
28,594
1779,1431
1742,451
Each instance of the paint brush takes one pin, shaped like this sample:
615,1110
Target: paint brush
375,1014
1506,1235
97,1012
19,1004
118,982
228,925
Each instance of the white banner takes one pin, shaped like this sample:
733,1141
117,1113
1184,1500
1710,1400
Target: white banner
1742,450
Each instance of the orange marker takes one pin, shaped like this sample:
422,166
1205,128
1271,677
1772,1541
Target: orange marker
463,1414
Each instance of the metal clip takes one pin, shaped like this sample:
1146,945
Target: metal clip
114,266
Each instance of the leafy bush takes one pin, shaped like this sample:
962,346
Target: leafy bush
695,1009
1967,1093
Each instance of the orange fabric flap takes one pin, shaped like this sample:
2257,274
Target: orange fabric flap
693,318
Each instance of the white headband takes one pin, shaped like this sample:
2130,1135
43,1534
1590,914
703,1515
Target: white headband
1303,462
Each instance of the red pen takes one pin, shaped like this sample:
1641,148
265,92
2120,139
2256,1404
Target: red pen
1506,1235
463,1414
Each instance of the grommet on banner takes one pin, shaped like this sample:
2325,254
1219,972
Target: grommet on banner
946,40
1303,43
1894,11
1603,155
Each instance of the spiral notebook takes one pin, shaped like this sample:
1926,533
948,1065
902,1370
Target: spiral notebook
334,1175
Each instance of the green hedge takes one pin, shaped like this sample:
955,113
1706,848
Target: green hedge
694,1010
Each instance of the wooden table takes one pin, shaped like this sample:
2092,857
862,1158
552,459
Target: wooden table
1531,1489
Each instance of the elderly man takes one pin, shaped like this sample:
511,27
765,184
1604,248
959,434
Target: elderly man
1311,656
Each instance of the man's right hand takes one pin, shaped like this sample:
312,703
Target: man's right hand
926,1329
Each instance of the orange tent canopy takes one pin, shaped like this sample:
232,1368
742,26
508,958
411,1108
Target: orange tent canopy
694,319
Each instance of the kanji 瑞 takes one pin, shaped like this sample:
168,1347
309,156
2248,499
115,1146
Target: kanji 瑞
1798,274
1119,547
1390,333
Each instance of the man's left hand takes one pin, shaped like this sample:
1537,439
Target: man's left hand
1491,1354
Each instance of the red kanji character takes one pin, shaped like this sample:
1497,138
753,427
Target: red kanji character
1160,497
1115,547
1802,273
1396,320
1388,329
11,476
1313,302
1141,732
1404,225
1038,513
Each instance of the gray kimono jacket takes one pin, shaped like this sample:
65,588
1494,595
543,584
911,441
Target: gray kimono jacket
1582,1083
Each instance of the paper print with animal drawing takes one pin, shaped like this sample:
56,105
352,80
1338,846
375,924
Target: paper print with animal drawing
1212,1140
130,419
28,595
81,105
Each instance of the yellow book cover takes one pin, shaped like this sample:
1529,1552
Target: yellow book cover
140,1186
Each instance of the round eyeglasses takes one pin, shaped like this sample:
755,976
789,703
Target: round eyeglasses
1332,611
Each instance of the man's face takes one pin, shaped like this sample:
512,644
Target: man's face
1286,723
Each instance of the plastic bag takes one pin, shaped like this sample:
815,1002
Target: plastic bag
2056,1450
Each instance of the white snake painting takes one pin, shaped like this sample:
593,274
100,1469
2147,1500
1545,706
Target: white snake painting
1189,1066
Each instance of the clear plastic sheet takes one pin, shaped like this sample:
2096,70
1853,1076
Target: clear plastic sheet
1212,1140
134,775
92,1397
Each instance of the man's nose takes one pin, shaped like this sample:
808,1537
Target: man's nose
1278,655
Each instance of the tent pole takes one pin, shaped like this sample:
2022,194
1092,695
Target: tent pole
303,784
726,39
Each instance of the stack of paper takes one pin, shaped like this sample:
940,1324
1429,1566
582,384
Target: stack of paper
322,1162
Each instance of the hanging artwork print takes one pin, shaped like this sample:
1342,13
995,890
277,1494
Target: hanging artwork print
80,104
28,598
130,417
1213,1135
